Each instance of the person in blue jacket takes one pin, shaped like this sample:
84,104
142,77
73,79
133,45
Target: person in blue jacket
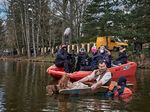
61,59
94,58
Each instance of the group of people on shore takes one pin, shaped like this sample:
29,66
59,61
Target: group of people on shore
83,62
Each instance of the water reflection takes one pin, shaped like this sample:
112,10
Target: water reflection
1,100
6,67
86,103
22,89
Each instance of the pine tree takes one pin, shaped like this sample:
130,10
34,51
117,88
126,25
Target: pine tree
139,19
99,18
125,18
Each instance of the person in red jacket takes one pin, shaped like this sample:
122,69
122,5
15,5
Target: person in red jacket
121,90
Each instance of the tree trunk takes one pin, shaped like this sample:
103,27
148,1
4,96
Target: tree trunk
43,35
39,27
37,37
27,31
71,21
50,38
33,36
65,2
18,49
15,33
23,29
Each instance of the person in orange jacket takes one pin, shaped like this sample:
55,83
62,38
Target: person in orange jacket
121,90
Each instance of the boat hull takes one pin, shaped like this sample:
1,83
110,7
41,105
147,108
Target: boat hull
88,90
127,70
102,89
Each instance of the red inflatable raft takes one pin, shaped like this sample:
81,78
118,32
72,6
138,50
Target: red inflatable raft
127,70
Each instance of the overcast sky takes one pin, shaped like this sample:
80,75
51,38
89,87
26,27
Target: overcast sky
2,13
1,1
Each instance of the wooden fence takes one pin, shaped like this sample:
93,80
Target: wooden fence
70,48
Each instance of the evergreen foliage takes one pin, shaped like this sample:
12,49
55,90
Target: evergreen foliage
101,17
138,19
125,18
33,24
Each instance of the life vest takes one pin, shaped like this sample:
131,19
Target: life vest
120,91
101,76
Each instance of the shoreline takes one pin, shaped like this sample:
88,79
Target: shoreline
24,58
142,63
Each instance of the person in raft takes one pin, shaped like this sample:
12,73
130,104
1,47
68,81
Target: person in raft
101,76
64,83
104,56
82,57
121,90
122,58
61,59
94,58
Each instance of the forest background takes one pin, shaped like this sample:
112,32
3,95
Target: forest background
33,24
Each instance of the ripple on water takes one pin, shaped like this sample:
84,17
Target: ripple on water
2,108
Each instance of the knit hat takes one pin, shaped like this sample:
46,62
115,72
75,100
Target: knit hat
63,46
82,49
93,49
122,81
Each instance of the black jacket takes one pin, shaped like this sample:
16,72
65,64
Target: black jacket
61,56
82,57
106,57
122,58
94,59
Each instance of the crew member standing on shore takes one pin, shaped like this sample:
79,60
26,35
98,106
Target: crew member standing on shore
135,45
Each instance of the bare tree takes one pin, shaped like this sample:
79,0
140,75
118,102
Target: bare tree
21,7
33,28
15,28
42,23
27,29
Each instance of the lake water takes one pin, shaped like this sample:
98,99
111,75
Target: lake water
22,89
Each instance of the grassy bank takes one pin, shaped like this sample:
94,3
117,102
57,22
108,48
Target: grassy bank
47,58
